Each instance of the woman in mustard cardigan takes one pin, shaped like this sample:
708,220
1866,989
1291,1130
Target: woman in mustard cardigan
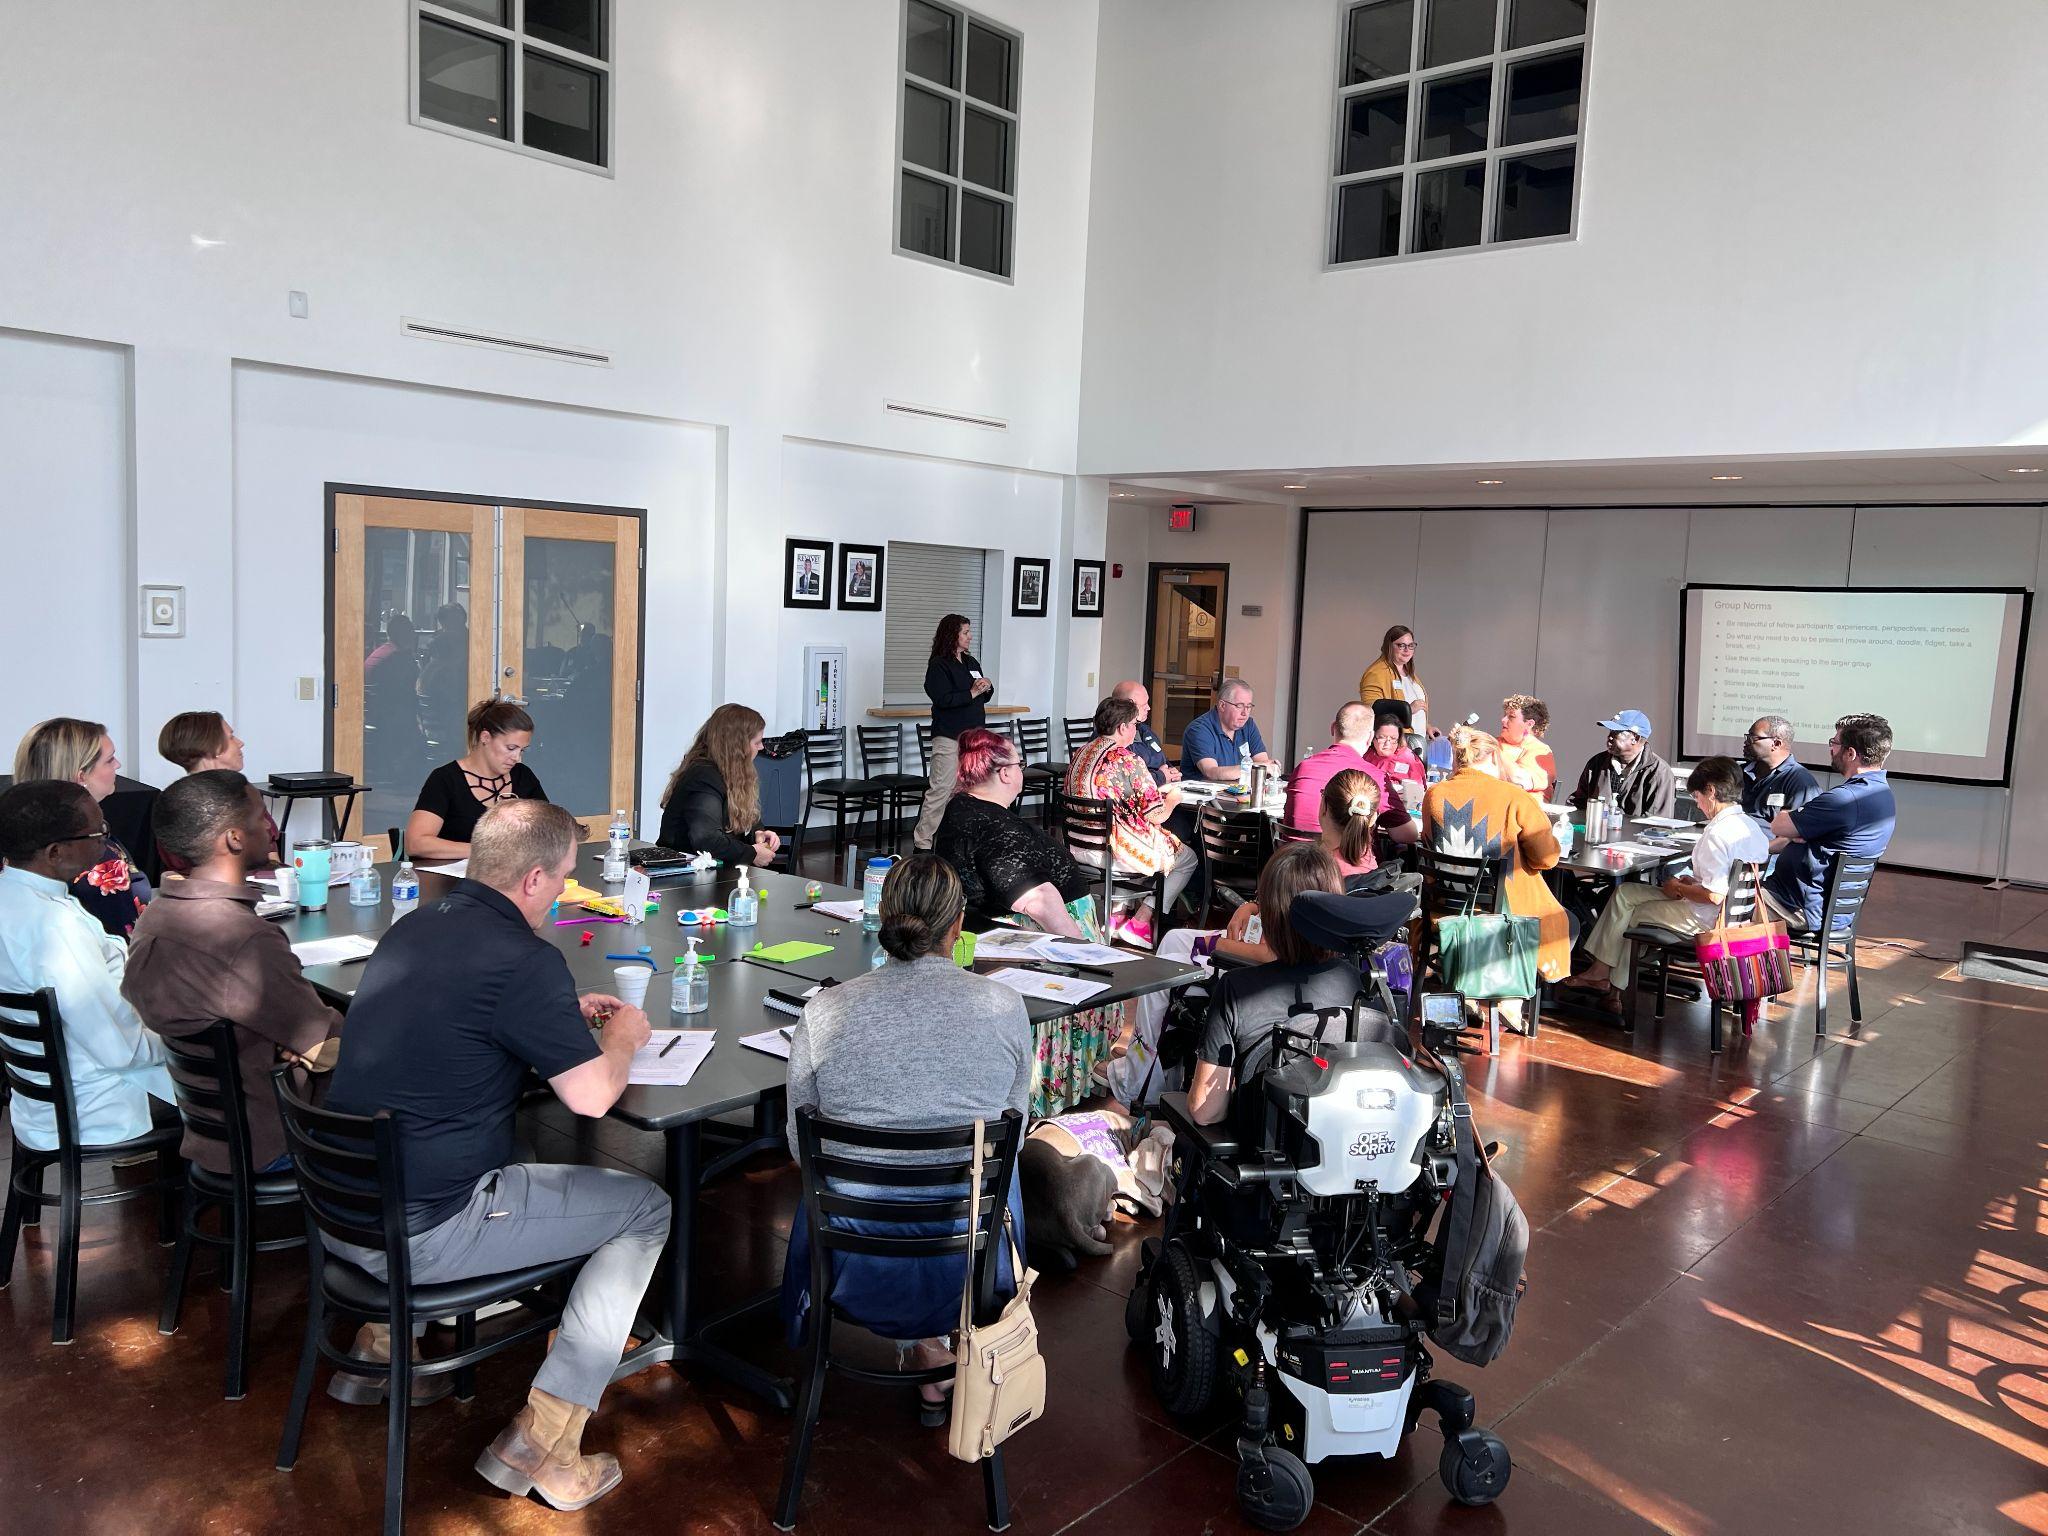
1393,677
1477,814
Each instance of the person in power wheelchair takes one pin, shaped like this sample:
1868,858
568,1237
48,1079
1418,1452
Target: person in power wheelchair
1313,1153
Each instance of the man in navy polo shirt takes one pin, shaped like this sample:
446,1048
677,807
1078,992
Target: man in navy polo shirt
1855,818
459,1001
1148,747
1210,747
1771,780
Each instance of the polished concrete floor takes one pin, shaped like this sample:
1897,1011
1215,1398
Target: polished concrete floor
1801,1287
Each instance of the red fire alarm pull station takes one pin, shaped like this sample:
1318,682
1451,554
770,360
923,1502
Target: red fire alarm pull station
1117,571
1180,519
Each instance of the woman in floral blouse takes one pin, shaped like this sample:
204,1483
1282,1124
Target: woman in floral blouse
1107,769
114,890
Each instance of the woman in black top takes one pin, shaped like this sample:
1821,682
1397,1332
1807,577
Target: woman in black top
1005,863
954,684
456,795
1245,1005
714,796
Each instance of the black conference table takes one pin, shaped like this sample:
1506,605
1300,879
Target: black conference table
732,1078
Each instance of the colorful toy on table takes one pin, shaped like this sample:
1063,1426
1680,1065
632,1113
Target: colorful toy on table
612,907
813,891
702,917
586,941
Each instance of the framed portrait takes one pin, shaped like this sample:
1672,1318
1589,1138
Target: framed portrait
1028,581
860,577
807,573
1088,589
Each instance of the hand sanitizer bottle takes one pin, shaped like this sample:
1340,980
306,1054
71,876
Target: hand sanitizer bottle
744,909
689,992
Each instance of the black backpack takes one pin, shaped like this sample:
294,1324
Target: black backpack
1476,1273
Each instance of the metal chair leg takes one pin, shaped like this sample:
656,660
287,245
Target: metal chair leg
181,1265
465,1341
302,1388
68,1212
1855,993
1820,970
398,1402
995,1490
810,1403
11,1222
241,1234
1714,1028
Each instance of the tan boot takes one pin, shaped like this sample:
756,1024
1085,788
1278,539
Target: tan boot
373,1342
540,1451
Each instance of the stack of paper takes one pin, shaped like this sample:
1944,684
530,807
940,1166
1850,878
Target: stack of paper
845,911
1053,989
337,951
671,1057
774,1041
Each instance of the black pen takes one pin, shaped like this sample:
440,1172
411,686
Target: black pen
674,1041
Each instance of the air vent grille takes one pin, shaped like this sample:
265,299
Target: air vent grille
560,352
933,413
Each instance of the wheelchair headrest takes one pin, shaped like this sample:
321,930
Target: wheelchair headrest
1343,923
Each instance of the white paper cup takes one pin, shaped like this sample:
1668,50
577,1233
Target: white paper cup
288,882
630,981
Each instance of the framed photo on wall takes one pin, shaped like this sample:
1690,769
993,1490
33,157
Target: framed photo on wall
1028,581
806,573
1088,589
860,577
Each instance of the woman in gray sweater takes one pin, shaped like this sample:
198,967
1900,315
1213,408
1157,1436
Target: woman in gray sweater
918,1044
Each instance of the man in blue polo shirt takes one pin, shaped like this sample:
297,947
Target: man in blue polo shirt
1855,818
1211,746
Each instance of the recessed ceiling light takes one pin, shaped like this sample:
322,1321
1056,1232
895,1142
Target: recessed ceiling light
1493,482
1301,487
1726,477
2023,471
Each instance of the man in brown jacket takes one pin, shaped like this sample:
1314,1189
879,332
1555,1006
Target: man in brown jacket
206,955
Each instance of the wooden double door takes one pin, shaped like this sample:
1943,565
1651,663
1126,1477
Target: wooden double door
435,604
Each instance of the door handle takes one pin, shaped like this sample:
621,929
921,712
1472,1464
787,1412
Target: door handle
510,671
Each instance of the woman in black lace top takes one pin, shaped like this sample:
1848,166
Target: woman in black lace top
456,795
1006,865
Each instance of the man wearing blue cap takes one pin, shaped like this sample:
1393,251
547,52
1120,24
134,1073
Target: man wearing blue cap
1639,779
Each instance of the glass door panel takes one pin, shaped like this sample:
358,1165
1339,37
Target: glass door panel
412,644
571,649
1184,648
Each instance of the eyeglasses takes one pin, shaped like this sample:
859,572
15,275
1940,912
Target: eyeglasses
1764,736
1008,763
82,837
1404,645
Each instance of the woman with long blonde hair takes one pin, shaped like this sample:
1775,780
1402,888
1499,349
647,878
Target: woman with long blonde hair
713,798
113,888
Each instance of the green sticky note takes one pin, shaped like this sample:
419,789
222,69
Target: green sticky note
791,950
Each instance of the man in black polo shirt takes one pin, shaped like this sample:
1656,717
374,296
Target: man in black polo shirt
1148,747
460,999
1771,780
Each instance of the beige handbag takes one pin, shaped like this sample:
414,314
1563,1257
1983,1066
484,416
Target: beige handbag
998,1374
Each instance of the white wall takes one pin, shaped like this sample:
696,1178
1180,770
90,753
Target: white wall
738,266
1797,233
1259,545
64,525
1580,606
295,433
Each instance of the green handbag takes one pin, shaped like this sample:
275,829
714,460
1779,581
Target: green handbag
1490,955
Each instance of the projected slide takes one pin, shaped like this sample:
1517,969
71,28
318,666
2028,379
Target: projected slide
1941,666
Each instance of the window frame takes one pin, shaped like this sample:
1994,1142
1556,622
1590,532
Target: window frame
960,104
518,42
1499,62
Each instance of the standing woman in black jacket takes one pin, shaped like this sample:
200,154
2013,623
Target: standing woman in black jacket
954,684
714,796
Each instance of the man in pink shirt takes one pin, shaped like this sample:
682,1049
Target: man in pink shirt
1350,738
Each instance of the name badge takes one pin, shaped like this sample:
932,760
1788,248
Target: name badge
1775,802
974,674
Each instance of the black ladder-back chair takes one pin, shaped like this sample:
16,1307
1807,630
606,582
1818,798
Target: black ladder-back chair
1848,888
1284,833
1670,946
1086,825
922,730
1042,777
881,762
1235,847
1451,884
828,784
1080,730
352,1184
38,1068
207,1076
942,1183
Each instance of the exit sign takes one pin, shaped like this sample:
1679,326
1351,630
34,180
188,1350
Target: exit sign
1180,519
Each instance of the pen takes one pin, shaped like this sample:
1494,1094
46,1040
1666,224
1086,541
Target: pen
673,1042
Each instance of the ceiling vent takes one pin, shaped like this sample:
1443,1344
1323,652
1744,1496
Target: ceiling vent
933,413
557,351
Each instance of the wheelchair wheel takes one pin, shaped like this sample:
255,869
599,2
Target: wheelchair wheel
1180,1350
1475,1466
1277,1497
1138,1305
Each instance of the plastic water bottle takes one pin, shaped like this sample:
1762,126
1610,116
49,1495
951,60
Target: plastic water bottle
365,887
871,894
405,888
615,849
1244,766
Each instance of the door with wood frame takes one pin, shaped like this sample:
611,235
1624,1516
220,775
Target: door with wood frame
1184,624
